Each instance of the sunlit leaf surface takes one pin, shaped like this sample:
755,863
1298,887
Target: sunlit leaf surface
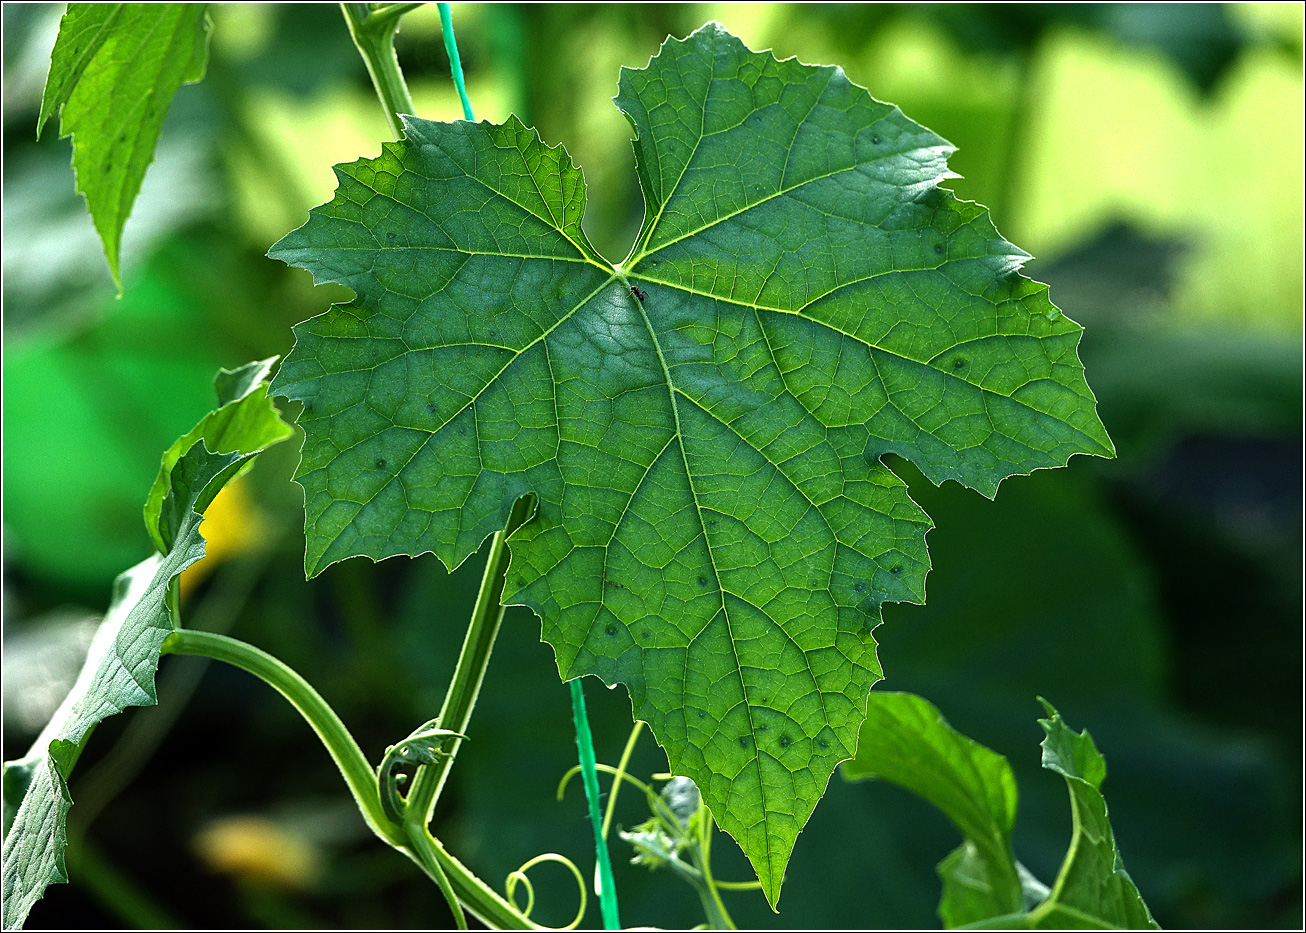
113,71
702,423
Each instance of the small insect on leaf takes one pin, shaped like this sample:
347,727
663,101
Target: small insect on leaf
642,296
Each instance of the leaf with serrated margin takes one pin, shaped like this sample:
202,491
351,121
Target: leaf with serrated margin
906,740
703,423
124,655
1092,890
113,72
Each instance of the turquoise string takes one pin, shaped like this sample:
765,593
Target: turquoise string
455,64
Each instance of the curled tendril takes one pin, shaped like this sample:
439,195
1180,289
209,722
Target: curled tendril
519,877
424,746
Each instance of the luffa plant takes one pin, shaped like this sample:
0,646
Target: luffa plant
679,456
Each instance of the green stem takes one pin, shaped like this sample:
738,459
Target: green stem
585,741
621,772
339,742
374,35
718,917
455,63
427,852
460,699
423,850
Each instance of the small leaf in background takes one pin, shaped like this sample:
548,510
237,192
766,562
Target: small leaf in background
906,740
113,72
702,424
124,655
1092,889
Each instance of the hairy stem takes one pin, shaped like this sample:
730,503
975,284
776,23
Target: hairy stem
321,717
374,35
460,699
450,874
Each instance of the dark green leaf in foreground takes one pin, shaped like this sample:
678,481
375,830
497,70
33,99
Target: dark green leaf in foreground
905,740
702,424
120,666
113,71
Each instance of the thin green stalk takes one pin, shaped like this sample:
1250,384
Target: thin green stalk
455,63
718,917
450,874
621,772
374,35
460,699
339,742
585,741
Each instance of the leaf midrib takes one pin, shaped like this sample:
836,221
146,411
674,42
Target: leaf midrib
716,576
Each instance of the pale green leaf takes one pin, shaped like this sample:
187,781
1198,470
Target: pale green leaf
113,71
703,423
241,422
1092,890
124,655
905,740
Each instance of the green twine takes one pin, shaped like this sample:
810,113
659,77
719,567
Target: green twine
607,888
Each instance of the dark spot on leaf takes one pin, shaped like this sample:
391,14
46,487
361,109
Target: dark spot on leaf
380,464
644,634
611,630
761,728
743,741
785,741
938,249
875,139
822,743
702,581
702,715
859,588
959,363
896,569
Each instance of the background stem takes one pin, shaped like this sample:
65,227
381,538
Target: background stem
375,38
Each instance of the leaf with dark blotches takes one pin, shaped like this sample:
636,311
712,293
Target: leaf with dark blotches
703,423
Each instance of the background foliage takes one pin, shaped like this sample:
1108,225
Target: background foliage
1148,155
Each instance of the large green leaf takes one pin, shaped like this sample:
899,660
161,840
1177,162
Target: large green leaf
907,741
119,668
703,423
113,71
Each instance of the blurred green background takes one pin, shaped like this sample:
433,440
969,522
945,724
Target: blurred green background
1150,156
